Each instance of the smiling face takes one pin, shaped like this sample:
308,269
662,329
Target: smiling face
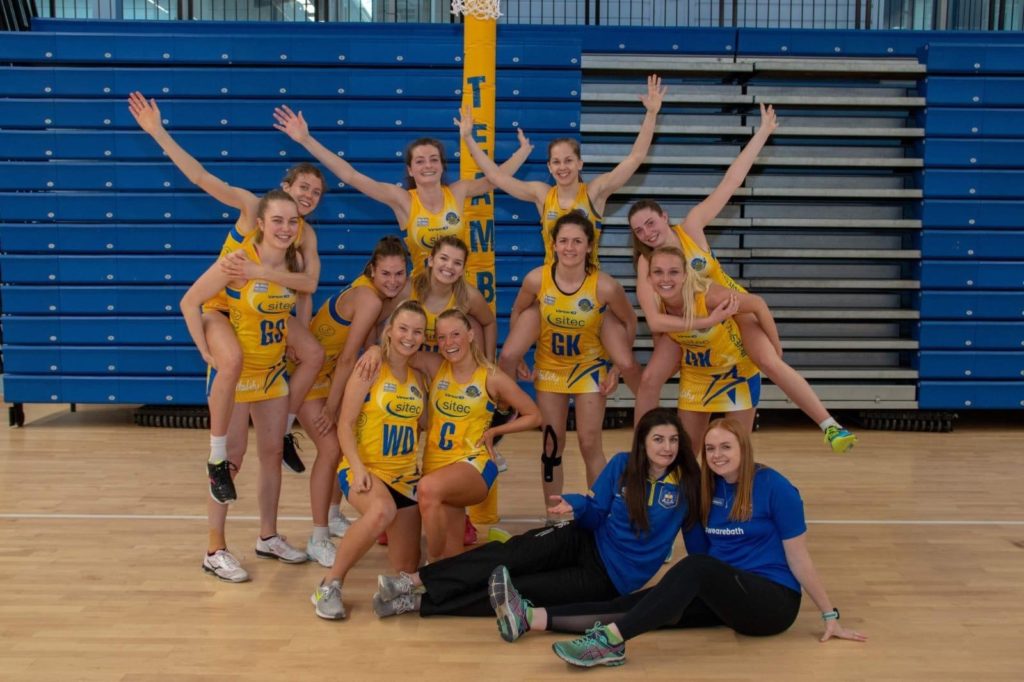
279,223
425,165
564,164
453,338
666,275
306,189
406,332
650,227
389,275
723,454
571,244
448,264
661,446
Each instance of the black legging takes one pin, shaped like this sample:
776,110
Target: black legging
558,565
699,591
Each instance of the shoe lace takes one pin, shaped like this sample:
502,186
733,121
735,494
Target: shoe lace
831,432
404,603
294,437
228,560
594,636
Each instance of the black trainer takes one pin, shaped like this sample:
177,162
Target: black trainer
501,417
222,488
290,457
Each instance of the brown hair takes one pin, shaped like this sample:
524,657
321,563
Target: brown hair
421,283
410,182
694,284
474,348
389,245
639,248
742,506
637,472
583,222
304,168
291,255
407,305
573,144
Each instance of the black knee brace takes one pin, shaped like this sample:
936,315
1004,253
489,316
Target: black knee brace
549,456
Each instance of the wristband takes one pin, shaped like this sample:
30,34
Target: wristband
830,615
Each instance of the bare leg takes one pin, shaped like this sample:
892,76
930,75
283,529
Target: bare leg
695,424
665,361
456,523
322,481
238,438
519,340
554,408
223,344
589,420
457,485
268,418
404,540
775,368
309,358
377,511
619,346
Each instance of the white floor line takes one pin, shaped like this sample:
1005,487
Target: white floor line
524,520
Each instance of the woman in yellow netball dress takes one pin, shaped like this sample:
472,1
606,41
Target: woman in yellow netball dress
441,286
428,209
259,310
343,325
305,184
570,359
570,193
651,228
378,429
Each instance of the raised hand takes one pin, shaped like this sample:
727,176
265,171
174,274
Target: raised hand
464,121
291,124
145,112
524,141
768,121
654,95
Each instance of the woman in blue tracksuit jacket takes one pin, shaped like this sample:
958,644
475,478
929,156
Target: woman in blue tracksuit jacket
621,534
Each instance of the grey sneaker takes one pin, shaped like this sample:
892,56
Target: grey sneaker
391,587
592,649
321,551
225,566
275,547
338,525
509,606
327,600
394,607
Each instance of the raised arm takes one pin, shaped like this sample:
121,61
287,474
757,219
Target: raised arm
147,115
532,191
706,211
206,287
606,184
294,126
799,560
472,188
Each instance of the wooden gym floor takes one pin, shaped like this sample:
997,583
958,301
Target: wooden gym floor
918,537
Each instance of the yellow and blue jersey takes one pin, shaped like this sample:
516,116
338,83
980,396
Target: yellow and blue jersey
717,375
458,416
331,331
570,357
259,313
553,211
424,228
704,262
430,329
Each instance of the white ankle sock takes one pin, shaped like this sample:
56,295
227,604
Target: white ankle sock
320,533
218,449
827,423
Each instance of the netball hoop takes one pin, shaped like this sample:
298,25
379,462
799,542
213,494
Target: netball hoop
479,46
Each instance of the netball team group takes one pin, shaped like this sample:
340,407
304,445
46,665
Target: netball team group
398,355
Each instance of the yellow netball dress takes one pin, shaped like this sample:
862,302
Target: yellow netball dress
232,242
552,212
704,262
430,329
717,375
259,313
459,415
569,357
424,228
387,430
331,330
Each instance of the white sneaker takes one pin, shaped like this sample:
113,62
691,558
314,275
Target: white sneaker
338,525
327,601
225,566
275,547
321,551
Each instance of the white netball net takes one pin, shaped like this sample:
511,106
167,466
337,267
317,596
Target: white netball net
481,9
